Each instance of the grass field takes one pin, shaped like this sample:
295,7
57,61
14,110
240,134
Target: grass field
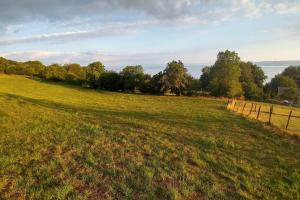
279,117
64,142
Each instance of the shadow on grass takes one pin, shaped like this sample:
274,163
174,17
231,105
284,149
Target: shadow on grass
139,119
163,117
78,87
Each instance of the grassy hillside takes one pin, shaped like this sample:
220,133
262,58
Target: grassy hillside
65,142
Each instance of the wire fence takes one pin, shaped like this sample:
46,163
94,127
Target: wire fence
283,117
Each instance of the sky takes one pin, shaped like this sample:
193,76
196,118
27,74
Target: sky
148,32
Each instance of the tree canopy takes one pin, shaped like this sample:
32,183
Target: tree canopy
225,75
93,73
176,77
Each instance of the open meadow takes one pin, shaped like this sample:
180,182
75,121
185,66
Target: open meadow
65,142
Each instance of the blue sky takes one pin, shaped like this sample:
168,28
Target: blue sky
123,32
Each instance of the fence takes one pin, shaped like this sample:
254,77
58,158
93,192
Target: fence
283,117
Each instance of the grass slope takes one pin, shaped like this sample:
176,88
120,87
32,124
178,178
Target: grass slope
64,142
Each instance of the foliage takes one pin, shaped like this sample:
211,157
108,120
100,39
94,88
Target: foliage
35,68
110,80
252,79
176,77
93,73
205,78
293,72
55,72
280,81
157,84
132,78
225,75
291,94
75,74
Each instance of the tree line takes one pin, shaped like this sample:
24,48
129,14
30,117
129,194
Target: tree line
228,77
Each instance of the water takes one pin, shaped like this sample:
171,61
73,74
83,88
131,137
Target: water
271,71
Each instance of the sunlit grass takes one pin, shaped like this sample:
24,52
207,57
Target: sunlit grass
279,118
63,142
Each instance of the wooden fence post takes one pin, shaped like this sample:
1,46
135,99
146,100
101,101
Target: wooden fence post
234,106
238,108
229,104
251,109
270,115
244,108
258,112
289,118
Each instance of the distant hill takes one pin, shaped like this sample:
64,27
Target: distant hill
279,63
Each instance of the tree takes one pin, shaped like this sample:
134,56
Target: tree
132,77
110,80
75,73
225,75
34,68
252,79
157,84
205,78
55,72
293,72
291,94
176,77
93,72
145,86
280,81
194,87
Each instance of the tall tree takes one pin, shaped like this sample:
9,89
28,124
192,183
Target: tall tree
75,73
225,75
93,72
132,77
205,78
293,72
176,78
252,79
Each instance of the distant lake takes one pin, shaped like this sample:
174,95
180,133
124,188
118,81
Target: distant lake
271,71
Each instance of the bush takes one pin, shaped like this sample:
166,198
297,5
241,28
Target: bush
110,81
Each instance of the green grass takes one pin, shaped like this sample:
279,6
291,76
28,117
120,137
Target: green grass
64,142
278,119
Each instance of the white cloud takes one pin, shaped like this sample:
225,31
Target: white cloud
71,35
102,18
287,8
108,58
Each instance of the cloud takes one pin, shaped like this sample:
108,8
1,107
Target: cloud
108,58
287,8
88,19
70,35
63,10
